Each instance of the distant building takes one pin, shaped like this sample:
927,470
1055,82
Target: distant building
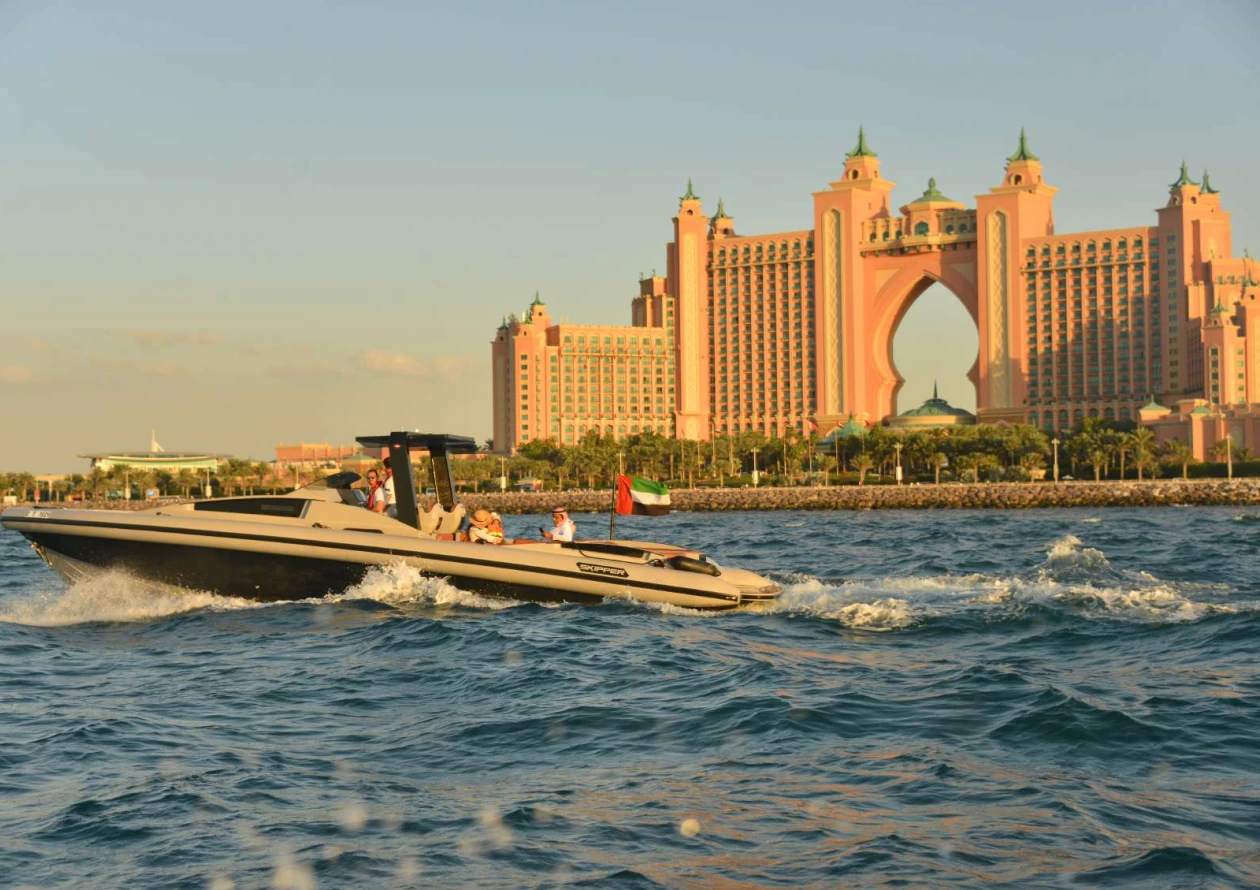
559,380
308,454
1201,424
793,330
157,458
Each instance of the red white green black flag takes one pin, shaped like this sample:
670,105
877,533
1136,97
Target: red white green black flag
642,497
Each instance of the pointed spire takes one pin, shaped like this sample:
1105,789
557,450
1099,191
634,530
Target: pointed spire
691,195
537,300
935,396
1184,178
721,211
1022,153
861,150
1207,186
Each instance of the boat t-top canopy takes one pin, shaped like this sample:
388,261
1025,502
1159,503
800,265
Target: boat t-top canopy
431,442
439,446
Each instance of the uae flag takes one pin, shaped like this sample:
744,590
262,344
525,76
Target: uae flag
642,497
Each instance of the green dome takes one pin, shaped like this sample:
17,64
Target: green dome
932,195
936,407
850,429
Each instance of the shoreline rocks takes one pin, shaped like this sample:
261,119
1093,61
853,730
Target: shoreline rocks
948,496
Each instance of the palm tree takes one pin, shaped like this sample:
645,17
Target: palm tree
863,464
1175,451
96,479
164,481
1221,448
939,459
185,479
260,472
1123,448
968,463
1141,442
25,484
1031,461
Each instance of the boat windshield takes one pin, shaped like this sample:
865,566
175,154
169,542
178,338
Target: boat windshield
340,483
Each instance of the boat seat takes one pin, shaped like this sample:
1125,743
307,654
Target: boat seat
430,520
452,520
438,521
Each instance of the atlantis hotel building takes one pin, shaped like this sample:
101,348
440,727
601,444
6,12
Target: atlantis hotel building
794,330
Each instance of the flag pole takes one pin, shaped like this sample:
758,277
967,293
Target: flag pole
612,516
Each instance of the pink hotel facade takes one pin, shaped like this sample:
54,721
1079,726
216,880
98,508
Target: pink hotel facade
792,330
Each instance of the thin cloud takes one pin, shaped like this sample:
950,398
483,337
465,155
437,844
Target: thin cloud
38,345
18,375
151,368
165,339
396,364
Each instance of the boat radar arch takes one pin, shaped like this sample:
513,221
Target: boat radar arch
440,446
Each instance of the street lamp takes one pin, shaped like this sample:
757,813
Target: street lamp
1055,443
502,474
756,479
712,443
1229,456
897,448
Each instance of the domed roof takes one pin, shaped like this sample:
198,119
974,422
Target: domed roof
932,195
848,430
936,407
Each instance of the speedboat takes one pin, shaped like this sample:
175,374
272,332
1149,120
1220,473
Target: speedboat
319,539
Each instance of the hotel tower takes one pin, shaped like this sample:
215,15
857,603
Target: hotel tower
794,330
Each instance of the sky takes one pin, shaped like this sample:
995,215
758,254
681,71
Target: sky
247,223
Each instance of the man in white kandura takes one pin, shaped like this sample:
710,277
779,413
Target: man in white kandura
564,528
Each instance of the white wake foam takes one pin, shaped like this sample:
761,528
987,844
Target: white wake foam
876,605
1068,552
117,597
400,584
112,597
1072,577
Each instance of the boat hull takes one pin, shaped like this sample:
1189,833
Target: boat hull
269,562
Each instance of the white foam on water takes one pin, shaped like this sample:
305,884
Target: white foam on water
1068,552
857,605
1073,577
1160,604
118,597
399,583
113,597
670,608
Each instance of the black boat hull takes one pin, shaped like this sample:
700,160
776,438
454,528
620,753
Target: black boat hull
264,577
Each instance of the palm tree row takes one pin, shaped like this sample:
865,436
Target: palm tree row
1015,452
232,477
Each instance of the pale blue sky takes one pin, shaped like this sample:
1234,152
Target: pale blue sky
248,222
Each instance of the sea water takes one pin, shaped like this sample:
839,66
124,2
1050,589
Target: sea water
967,699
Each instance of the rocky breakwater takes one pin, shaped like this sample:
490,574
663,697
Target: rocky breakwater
1002,496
